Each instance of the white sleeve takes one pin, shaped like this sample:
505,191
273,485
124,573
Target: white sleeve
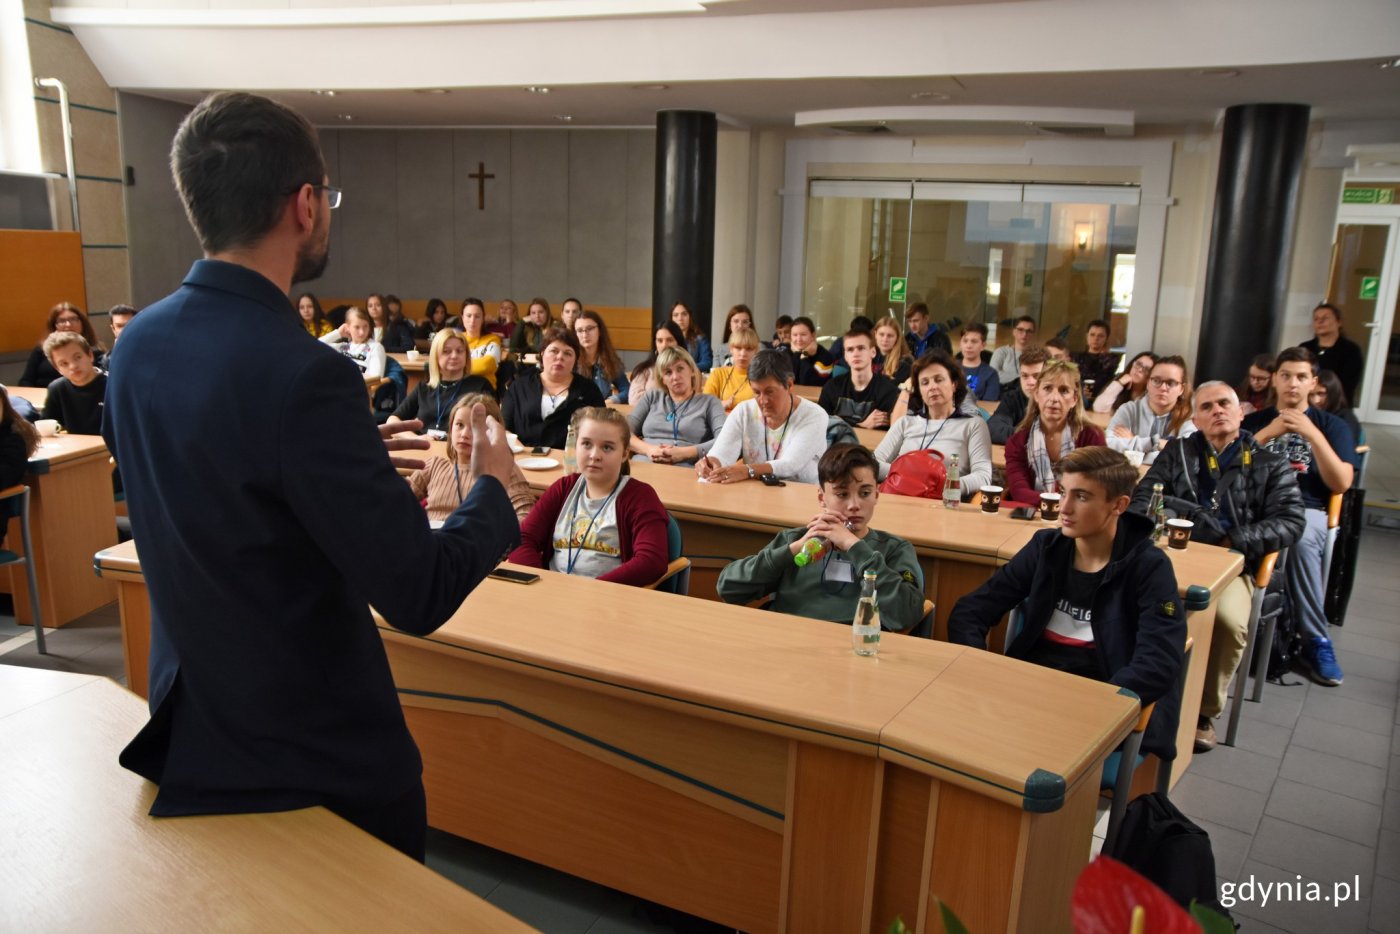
333,336
979,457
492,349
730,443
889,446
374,366
804,445
1121,419
1103,404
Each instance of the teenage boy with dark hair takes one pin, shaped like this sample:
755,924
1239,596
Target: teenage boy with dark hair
982,379
1097,363
922,335
1006,360
1015,398
861,397
1098,598
1321,450
1239,495
829,588
1058,349
75,399
1334,350
782,333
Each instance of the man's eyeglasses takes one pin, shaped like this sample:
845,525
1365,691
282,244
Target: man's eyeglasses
333,194
1161,383
1025,330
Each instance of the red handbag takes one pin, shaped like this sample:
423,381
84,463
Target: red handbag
918,473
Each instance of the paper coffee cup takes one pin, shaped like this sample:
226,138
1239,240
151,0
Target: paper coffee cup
991,498
1050,506
1179,533
48,427
414,355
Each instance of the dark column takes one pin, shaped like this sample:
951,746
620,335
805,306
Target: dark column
683,238
1256,201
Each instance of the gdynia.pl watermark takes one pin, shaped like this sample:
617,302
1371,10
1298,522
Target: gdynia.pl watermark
1259,892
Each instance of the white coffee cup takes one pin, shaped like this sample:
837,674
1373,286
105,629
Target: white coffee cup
1134,457
48,427
413,356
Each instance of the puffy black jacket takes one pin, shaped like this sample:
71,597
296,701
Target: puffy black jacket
1138,620
1262,501
1010,410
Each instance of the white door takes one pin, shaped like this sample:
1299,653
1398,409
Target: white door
1364,284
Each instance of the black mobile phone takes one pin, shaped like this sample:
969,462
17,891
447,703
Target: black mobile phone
1024,512
515,577
771,480
539,450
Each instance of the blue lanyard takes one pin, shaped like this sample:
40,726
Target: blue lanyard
926,440
437,395
457,476
572,556
674,413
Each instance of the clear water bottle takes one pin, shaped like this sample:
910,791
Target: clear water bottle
865,628
1157,509
811,551
570,452
952,489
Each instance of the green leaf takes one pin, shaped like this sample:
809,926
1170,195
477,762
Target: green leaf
897,926
1210,920
951,923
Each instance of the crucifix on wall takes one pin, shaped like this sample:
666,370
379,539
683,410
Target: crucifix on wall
481,175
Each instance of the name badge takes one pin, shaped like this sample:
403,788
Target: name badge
840,571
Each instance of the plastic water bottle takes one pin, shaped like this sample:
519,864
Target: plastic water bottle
570,452
811,551
1157,509
952,489
865,628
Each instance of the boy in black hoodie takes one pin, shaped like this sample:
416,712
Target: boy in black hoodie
1099,599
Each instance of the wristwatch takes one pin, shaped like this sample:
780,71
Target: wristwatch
753,474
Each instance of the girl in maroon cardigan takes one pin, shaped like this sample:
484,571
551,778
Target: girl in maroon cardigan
1054,425
599,522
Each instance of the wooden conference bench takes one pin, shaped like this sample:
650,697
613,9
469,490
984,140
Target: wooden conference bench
81,853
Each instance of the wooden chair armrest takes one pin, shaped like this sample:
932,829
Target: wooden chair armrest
672,569
1334,511
9,491
1266,570
1363,449
1144,717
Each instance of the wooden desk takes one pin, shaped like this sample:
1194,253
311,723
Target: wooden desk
811,393
82,854
748,767
71,515
415,370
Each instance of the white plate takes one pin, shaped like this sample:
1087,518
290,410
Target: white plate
537,463
435,523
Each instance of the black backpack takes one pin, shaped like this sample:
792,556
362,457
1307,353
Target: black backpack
1166,847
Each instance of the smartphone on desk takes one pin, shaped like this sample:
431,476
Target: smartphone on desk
539,450
514,577
771,480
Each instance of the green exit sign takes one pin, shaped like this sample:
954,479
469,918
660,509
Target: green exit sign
1370,288
1368,196
899,288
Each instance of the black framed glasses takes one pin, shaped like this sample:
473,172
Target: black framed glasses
333,194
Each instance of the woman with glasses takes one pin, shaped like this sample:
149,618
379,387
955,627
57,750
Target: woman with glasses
1163,413
1129,387
597,359
1257,391
1054,425
675,423
65,316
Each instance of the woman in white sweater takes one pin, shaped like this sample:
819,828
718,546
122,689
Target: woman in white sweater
1163,413
935,420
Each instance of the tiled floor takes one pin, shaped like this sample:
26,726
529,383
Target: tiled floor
1311,793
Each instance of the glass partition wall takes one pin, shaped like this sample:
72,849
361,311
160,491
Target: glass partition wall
1063,254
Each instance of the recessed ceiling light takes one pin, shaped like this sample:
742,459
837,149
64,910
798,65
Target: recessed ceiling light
537,89
346,117
564,118
1216,73
928,96
1389,63
324,93
431,91
651,87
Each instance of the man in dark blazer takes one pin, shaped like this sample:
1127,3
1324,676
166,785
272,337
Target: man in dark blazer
268,514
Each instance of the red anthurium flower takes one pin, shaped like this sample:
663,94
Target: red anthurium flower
1106,894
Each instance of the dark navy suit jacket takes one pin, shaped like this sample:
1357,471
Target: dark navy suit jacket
268,519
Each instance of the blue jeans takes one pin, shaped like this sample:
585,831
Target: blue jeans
1307,578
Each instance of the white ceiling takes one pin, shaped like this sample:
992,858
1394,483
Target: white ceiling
759,62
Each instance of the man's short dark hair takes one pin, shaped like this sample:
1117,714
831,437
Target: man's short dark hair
769,363
1097,323
918,308
1034,355
236,159
1104,466
127,310
1336,312
976,327
858,332
1026,319
783,321
1296,355
1059,343
862,323
841,461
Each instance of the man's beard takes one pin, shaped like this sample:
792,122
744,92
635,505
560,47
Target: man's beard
311,261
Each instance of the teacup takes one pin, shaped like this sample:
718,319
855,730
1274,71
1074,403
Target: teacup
48,427
413,356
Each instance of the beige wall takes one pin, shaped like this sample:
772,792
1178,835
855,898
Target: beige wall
55,53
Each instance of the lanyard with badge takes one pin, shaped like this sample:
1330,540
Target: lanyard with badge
437,395
573,555
674,413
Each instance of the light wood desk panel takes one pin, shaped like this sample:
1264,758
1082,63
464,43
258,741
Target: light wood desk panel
82,854
71,516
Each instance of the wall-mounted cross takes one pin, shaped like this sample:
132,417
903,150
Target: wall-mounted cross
481,175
